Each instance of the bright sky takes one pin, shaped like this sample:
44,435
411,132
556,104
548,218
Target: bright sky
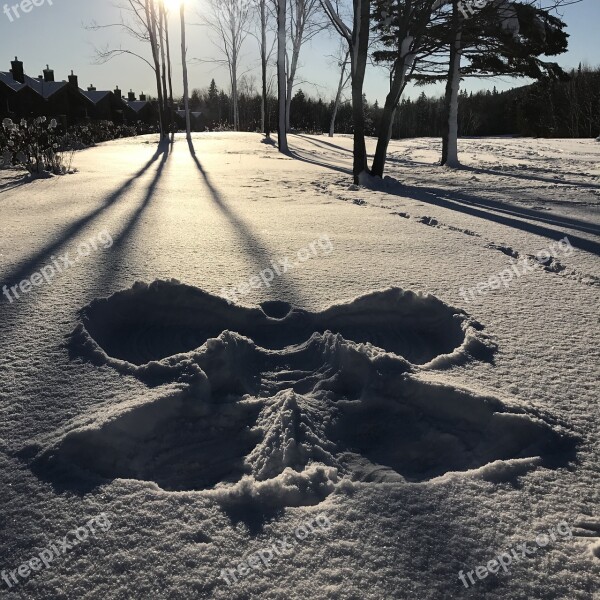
54,33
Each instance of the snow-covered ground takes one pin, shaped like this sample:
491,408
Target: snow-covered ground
430,433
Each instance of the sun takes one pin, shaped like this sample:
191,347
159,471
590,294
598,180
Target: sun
173,4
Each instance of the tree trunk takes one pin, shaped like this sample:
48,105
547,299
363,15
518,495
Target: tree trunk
338,97
263,59
290,88
296,47
389,110
385,135
281,76
450,136
359,52
186,93
161,29
151,19
170,70
234,91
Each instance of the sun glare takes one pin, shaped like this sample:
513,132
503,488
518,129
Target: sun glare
173,4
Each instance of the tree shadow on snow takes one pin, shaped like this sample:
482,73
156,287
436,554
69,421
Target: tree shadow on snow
528,177
482,208
256,249
510,216
119,250
42,257
14,181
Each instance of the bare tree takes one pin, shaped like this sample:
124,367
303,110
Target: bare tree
186,93
357,39
264,13
162,16
342,59
305,24
281,6
139,20
264,60
169,70
152,20
229,20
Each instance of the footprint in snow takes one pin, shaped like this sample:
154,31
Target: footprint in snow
589,529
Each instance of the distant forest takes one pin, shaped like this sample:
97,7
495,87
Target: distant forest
547,108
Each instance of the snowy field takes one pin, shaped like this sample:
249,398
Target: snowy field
413,414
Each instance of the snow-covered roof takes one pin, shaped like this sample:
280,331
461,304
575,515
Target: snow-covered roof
44,88
136,105
94,96
181,113
8,80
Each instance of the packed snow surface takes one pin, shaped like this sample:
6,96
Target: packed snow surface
430,384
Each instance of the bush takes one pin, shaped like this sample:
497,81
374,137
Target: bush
44,149
37,146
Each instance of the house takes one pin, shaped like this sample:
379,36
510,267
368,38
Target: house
17,98
22,96
197,120
139,110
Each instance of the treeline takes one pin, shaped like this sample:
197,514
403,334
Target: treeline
547,108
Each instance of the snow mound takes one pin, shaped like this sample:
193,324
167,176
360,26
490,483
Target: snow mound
325,401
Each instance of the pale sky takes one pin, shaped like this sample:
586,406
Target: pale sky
53,33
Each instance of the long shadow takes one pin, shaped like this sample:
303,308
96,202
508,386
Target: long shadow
25,268
392,159
324,143
321,144
472,205
525,177
526,213
257,250
14,182
467,205
562,172
313,161
117,251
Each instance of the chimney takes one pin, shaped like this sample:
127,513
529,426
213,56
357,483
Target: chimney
74,80
91,88
142,97
48,74
118,93
131,96
17,70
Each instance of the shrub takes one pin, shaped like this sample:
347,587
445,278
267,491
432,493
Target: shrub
43,148
37,146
